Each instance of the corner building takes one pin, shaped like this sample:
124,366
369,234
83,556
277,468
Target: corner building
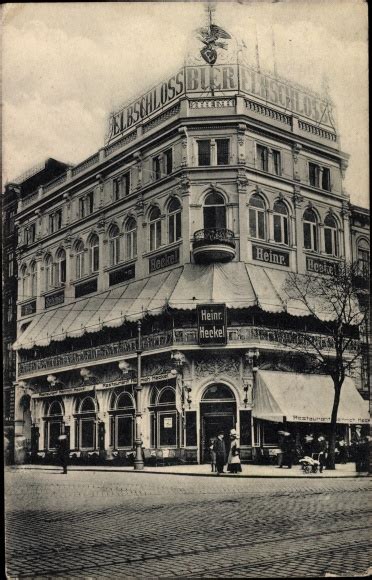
207,193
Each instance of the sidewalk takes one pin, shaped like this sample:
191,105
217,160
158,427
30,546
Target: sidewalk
248,470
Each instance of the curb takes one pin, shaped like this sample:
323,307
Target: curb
225,475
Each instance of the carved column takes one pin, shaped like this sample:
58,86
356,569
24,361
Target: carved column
241,144
69,268
296,149
184,189
297,231
270,225
103,260
141,237
185,153
39,274
242,184
345,235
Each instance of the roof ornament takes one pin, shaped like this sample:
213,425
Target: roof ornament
209,36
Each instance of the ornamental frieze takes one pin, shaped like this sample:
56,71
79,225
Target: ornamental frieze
214,365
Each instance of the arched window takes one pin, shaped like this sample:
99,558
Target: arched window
155,228
130,239
122,422
24,282
310,230
87,424
174,220
280,217
33,279
330,236
257,223
114,244
49,272
218,392
363,258
54,424
94,253
164,417
79,259
61,267
214,212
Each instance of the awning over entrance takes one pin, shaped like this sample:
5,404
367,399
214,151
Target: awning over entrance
236,284
306,399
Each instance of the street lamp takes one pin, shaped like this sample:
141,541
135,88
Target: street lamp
138,461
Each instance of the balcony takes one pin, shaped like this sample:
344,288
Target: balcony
213,245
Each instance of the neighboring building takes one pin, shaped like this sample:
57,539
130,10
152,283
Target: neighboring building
24,186
361,255
198,206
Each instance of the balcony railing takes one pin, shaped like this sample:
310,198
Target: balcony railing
242,336
214,245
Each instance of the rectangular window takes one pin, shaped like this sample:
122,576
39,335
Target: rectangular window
55,221
10,309
329,242
156,167
168,161
87,433
174,227
245,428
86,205
222,151
276,162
31,233
204,152
121,186
257,224
326,179
314,171
11,220
191,431
124,431
54,433
10,264
263,158
363,262
270,436
155,235
280,229
168,429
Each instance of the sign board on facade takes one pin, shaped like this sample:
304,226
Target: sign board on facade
86,288
225,79
54,299
270,256
168,422
29,308
122,275
211,324
321,266
164,260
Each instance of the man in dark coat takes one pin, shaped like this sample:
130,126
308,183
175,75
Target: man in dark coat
63,452
358,443
220,449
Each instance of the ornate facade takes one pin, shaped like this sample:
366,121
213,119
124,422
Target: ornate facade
197,198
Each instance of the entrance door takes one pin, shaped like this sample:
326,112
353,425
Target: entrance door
218,413
211,426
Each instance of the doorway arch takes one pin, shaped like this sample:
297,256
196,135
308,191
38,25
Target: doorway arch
218,412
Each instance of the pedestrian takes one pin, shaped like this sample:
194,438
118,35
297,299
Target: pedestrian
307,444
281,435
358,445
220,449
341,444
63,452
288,449
233,462
320,447
212,454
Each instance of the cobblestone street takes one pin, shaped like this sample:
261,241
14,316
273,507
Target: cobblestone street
99,524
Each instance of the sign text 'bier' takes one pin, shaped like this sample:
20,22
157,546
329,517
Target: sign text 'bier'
212,324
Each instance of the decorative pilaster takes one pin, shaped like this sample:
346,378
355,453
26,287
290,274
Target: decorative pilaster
185,154
184,190
346,213
242,185
241,144
296,149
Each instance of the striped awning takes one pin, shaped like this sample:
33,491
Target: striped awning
236,284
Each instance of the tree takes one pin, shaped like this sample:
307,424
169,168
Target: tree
334,302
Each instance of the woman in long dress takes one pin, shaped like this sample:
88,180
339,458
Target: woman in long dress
234,465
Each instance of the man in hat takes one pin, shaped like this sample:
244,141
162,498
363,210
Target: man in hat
63,452
220,449
358,446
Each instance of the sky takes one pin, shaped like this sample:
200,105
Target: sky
67,65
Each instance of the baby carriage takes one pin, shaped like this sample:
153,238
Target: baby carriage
311,464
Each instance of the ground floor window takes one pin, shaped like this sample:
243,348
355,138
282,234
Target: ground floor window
53,424
164,418
86,424
125,431
87,434
122,421
55,430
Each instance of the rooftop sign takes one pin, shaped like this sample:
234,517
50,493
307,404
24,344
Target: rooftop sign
221,80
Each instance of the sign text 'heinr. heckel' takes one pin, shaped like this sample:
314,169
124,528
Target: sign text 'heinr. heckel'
212,324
